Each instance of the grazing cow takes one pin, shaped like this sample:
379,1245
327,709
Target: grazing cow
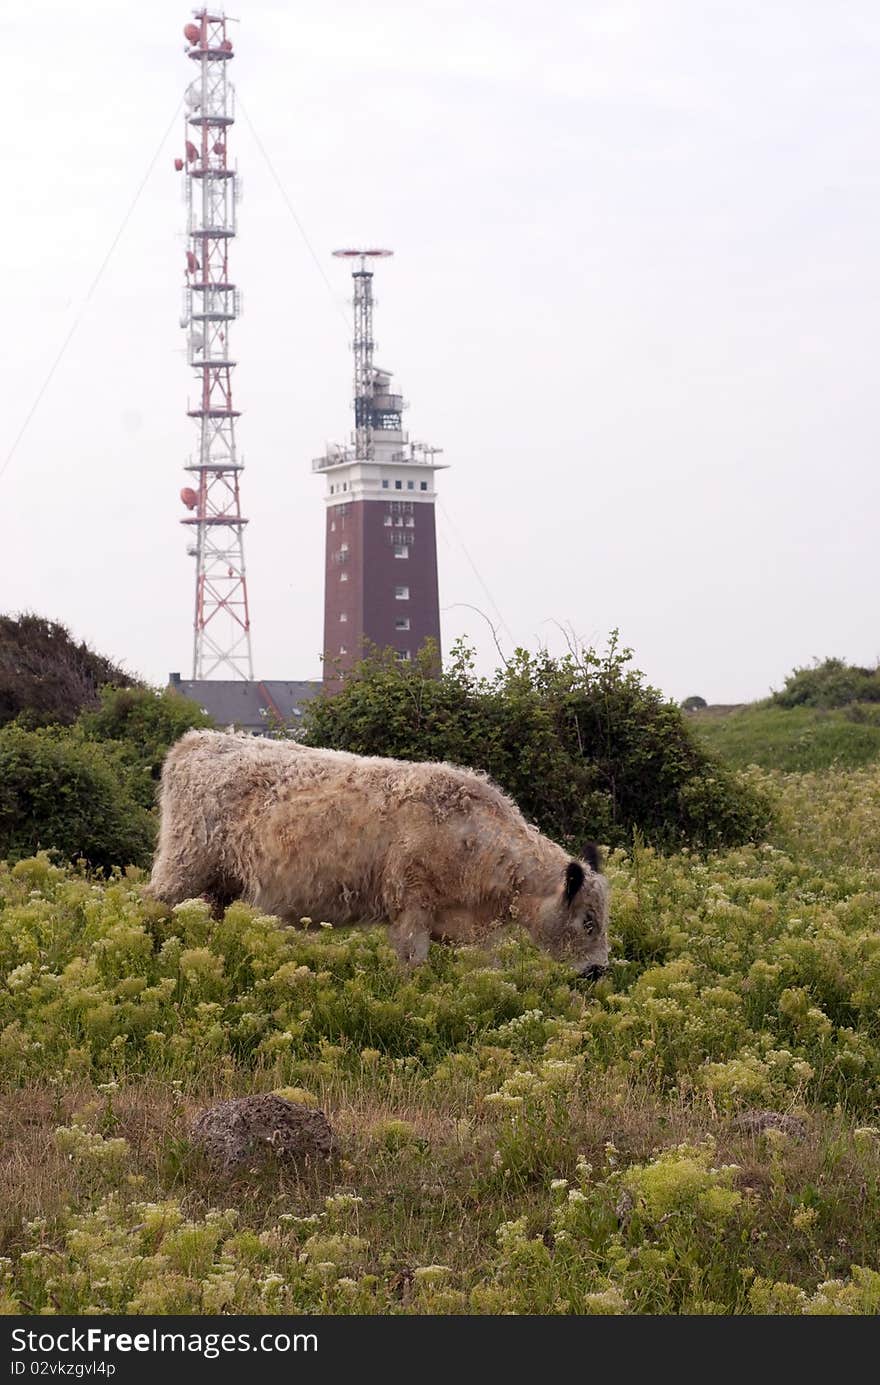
436,851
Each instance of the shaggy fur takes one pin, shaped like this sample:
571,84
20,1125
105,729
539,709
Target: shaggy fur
437,851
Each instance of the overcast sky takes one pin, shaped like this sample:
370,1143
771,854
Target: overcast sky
634,298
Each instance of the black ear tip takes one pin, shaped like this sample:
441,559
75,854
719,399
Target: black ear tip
593,857
574,878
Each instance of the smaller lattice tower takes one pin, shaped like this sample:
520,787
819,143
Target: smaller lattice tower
221,626
380,577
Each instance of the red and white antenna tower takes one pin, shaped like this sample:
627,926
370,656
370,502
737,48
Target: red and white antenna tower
221,631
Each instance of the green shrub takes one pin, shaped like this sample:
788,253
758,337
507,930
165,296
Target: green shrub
586,748
146,723
58,791
831,683
83,790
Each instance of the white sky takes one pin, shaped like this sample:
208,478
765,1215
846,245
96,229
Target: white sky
635,299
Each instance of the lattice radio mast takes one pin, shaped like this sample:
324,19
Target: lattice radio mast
362,347
211,302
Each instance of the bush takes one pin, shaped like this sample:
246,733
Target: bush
586,748
831,683
59,791
693,704
146,723
46,675
85,784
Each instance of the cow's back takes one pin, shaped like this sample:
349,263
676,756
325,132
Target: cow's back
297,829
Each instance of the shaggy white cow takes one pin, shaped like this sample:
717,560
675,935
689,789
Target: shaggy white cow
436,851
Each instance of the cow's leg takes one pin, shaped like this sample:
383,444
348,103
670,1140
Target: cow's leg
183,867
410,936
176,878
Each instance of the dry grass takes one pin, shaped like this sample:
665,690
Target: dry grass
432,1194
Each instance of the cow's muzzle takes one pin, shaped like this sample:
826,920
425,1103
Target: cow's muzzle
592,972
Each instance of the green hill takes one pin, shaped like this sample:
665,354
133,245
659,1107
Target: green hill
796,739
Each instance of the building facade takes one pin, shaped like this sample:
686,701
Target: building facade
380,574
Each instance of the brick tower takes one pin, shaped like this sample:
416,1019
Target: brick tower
380,575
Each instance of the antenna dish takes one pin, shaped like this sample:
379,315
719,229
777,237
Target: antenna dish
362,254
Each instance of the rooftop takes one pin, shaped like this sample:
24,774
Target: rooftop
249,706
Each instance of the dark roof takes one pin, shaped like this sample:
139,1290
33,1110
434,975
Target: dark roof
254,706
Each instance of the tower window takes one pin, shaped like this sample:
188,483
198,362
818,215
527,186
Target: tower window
343,616
343,576
401,593
384,485
398,485
423,485
333,526
410,522
401,552
402,623
410,485
387,521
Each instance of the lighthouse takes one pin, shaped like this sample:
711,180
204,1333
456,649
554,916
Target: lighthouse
380,572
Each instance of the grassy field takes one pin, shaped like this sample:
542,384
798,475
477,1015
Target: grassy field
511,1141
797,739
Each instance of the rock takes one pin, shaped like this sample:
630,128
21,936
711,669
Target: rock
755,1122
263,1129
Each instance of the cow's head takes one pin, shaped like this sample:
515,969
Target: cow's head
572,922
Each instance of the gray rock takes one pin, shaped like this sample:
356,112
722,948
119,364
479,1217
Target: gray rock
754,1122
262,1129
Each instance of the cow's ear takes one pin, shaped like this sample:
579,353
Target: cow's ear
592,857
574,878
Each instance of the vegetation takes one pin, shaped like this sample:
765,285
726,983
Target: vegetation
59,790
144,723
46,676
831,683
512,1140
825,716
585,747
803,739
87,791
